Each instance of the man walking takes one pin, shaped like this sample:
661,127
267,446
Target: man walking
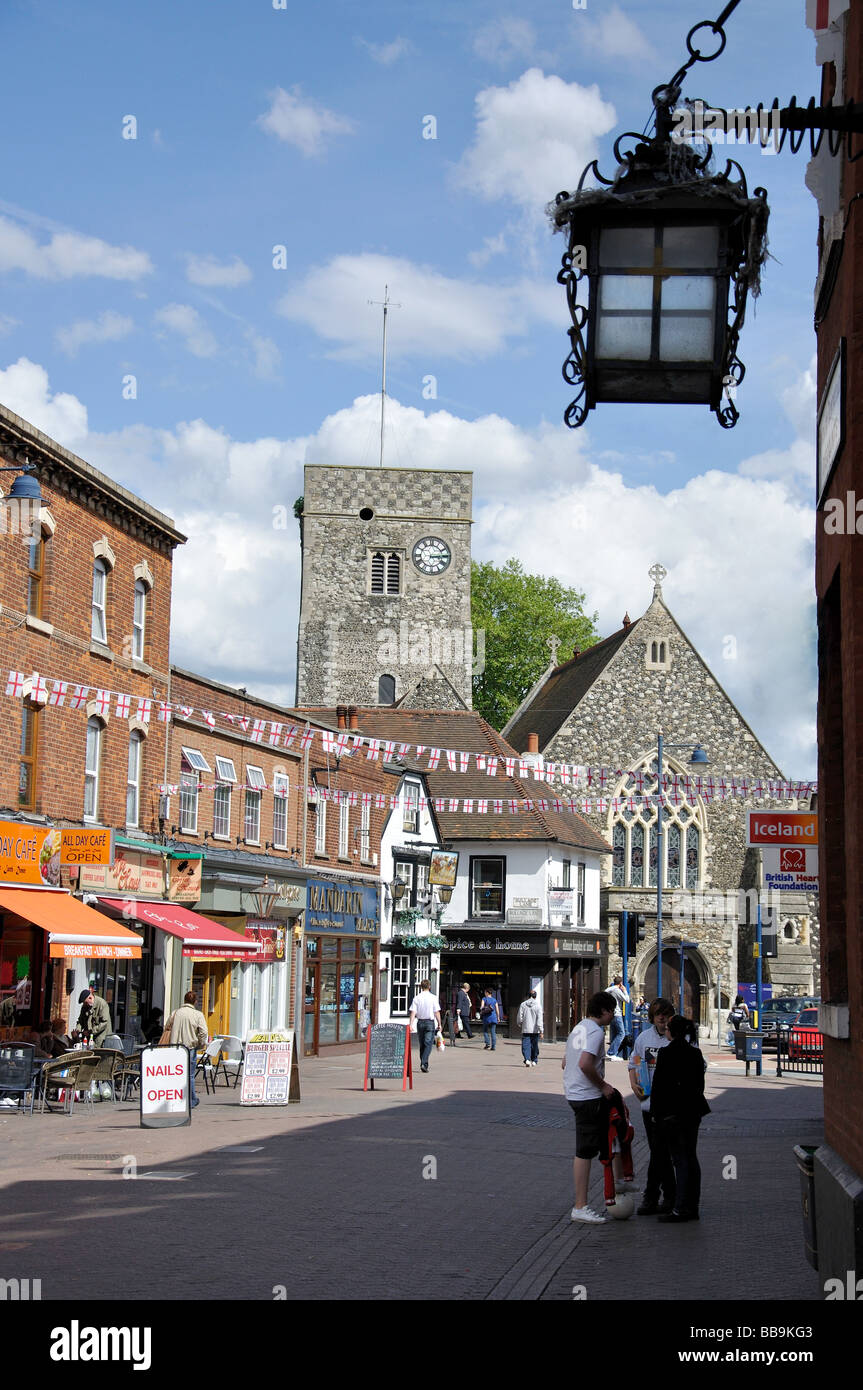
529,1019
587,1091
463,1006
189,1029
426,1010
618,1031
660,1189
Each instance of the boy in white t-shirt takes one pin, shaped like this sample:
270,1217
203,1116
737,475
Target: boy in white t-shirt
659,1193
587,1091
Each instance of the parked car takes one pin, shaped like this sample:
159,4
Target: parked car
805,1041
780,1012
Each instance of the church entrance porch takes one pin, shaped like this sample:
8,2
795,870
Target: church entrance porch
694,1006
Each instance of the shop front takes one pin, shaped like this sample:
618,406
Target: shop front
511,961
340,963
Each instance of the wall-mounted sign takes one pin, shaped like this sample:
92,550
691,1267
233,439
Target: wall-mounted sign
184,879
789,828
525,902
132,873
484,945
792,868
571,945
291,894
524,916
88,846
268,941
29,854
165,1099
443,867
350,908
831,423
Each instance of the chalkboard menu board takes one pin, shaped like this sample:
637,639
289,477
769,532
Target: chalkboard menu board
388,1054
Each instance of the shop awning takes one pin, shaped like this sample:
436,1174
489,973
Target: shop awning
75,930
197,933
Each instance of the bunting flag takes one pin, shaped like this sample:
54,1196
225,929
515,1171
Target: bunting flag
275,734
38,690
15,683
209,718
123,707
79,699
58,692
144,710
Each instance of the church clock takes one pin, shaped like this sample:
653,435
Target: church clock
431,555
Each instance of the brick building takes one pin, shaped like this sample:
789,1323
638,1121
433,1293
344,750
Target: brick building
84,635
838,185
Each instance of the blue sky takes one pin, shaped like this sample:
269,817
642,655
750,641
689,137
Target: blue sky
303,128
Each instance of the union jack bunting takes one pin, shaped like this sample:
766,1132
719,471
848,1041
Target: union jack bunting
144,710
15,683
58,692
38,690
123,706
79,699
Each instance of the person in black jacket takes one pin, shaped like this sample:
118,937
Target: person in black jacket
677,1104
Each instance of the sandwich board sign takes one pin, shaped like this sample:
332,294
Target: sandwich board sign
165,1099
271,1073
388,1054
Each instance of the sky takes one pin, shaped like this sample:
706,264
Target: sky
199,202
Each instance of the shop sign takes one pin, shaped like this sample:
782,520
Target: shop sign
524,916
790,868
560,902
492,945
165,1097
350,908
92,950
132,874
184,880
29,855
292,894
79,846
789,828
266,942
271,1073
443,868
586,945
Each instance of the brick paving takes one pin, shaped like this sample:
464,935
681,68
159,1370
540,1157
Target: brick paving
328,1198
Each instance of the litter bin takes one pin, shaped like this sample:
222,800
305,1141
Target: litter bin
805,1155
639,1023
747,1046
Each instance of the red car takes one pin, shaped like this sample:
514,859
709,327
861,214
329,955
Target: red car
805,1041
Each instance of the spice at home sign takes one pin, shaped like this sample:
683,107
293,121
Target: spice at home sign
512,945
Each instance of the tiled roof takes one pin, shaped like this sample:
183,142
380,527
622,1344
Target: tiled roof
555,701
468,732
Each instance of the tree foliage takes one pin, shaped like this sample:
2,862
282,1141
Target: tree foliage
518,612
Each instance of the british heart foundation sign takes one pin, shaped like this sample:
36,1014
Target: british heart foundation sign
788,841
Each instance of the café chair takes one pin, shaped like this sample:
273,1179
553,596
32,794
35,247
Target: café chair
70,1073
19,1072
233,1056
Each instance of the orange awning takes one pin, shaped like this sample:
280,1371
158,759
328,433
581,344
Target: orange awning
74,930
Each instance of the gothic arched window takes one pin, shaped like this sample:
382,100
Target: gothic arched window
634,829
387,690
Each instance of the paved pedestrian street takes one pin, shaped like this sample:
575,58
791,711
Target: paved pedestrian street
458,1190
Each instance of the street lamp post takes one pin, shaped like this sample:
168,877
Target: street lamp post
698,759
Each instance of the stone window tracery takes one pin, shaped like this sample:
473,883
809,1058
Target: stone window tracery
634,828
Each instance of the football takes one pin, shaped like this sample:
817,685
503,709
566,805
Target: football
624,1206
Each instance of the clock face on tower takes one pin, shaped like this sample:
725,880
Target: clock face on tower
431,555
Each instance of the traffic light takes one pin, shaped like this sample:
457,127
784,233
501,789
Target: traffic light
634,932
769,933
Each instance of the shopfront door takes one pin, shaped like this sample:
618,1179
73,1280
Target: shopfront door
310,1008
211,981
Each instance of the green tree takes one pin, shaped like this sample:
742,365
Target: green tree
518,613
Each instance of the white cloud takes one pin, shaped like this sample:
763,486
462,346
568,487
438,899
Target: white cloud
502,41
68,254
207,271
24,389
303,124
736,547
187,322
108,327
491,246
613,35
796,462
7,323
438,316
387,53
533,138
267,357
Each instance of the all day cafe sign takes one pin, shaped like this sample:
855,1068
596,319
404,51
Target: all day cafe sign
31,855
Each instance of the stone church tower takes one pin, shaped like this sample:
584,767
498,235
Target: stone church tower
385,598
605,707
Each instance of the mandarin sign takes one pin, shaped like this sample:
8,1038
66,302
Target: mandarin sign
342,907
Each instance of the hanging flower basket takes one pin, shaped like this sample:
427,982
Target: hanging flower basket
418,943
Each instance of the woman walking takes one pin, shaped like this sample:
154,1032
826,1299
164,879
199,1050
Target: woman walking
489,1018
677,1105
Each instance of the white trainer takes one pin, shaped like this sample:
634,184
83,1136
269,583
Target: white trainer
590,1218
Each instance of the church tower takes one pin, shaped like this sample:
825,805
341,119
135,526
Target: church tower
385,598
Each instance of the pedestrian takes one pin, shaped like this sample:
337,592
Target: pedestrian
94,1019
659,1190
189,1029
641,1006
7,1011
464,1007
588,1094
618,1031
489,1018
738,1018
677,1106
426,1010
529,1019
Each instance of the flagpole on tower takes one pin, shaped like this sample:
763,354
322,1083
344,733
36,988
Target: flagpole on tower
385,304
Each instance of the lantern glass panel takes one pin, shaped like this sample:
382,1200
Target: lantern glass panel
690,247
687,318
625,311
626,248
